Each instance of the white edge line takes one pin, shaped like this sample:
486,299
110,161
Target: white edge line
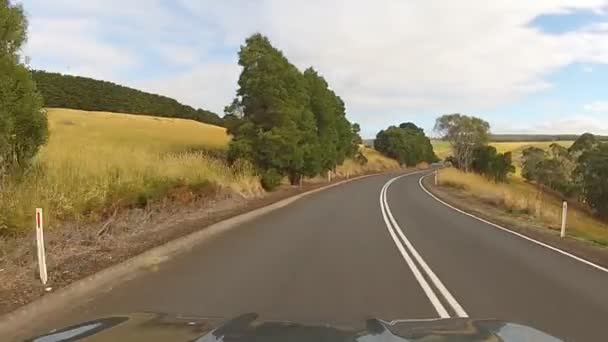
460,312
510,231
441,311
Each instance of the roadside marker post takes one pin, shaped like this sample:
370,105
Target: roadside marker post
436,178
40,247
564,219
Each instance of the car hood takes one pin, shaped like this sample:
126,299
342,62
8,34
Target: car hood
161,327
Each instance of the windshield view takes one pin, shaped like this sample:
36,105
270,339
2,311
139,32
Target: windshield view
366,171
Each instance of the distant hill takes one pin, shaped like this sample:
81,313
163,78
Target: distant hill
76,92
537,137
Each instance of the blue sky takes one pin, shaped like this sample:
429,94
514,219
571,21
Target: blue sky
525,66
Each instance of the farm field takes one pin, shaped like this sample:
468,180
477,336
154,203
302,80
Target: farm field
443,149
100,161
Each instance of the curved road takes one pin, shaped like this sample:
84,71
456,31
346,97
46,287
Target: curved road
376,247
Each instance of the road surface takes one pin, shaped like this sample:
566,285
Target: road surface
376,247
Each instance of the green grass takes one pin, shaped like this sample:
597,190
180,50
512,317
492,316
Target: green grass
519,197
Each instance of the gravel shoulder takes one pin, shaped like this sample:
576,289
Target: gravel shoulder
520,223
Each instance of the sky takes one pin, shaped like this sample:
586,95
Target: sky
524,66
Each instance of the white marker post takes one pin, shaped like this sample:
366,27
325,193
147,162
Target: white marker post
40,246
436,178
564,218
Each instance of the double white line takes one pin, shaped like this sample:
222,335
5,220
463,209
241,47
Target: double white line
406,249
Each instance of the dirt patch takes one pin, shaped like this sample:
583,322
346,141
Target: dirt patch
77,250
520,222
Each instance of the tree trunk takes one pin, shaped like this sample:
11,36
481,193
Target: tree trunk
294,178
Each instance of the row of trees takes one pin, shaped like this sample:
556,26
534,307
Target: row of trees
23,124
469,137
283,121
76,92
580,171
406,143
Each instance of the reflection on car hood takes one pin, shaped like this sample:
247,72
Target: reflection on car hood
158,327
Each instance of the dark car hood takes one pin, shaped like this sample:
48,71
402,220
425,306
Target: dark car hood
158,327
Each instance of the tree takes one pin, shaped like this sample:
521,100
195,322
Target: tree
593,170
464,133
584,143
488,162
406,143
532,159
271,121
23,124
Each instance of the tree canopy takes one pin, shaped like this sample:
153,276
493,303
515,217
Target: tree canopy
406,143
580,171
464,133
283,121
23,125
76,92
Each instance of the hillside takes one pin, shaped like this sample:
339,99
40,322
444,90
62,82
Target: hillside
100,160
75,92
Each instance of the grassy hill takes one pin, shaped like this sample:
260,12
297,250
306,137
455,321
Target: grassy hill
76,92
98,162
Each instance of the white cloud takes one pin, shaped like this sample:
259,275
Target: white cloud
597,107
574,124
211,85
383,57
65,45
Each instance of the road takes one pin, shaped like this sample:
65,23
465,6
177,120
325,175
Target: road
376,247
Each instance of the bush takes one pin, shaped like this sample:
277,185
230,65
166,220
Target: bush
23,125
270,179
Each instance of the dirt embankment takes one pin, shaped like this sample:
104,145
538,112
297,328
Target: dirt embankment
524,224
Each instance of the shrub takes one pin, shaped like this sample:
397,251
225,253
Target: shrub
271,179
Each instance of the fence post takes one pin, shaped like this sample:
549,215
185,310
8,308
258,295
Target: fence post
564,219
40,247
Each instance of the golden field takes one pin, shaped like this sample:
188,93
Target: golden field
521,198
443,149
95,162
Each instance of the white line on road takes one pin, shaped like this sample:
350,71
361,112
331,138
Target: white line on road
436,281
510,231
423,283
392,226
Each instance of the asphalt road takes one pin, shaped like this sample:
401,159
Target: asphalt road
338,257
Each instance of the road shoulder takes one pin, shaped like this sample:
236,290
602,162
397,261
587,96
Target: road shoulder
523,225
195,233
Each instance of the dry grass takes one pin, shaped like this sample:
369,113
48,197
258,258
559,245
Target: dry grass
443,149
520,198
96,161
376,162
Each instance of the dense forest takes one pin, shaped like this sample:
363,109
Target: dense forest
75,92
